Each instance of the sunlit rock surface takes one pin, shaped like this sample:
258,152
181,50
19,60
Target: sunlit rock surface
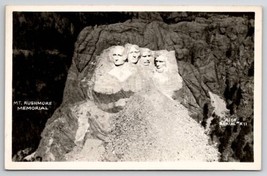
155,128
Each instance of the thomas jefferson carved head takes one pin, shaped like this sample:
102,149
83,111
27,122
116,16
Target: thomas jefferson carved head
133,52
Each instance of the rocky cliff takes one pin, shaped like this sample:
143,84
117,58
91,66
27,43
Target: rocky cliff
214,54
130,119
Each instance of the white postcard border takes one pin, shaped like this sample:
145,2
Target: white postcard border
256,165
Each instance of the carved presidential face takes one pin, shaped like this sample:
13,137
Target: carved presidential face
133,54
117,55
146,57
160,63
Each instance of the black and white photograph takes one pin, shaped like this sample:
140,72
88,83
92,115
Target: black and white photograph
133,87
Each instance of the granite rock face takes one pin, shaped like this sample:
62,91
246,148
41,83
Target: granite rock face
213,54
130,119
